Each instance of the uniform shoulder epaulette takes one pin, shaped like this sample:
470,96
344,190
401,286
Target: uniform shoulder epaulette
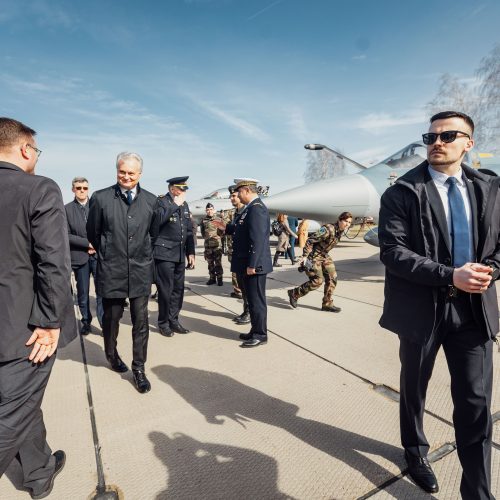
161,196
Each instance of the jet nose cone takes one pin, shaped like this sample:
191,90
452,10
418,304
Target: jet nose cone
326,200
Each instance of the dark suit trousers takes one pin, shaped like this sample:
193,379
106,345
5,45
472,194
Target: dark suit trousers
82,277
470,363
113,312
22,430
170,283
254,288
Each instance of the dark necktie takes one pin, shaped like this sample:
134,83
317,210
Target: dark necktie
459,227
129,197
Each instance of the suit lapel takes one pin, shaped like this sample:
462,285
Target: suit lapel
438,210
469,184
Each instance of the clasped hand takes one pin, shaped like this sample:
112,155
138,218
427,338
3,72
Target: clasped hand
472,277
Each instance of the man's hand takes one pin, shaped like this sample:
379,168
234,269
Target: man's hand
191,261
180,198
91,249
251,271
472,277
45,340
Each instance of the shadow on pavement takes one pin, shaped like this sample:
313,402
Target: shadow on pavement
210,471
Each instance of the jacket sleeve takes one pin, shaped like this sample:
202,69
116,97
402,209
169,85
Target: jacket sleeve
190,246
493,259
164,211
75,242
395,250
94,222
258,226
51,256
322,233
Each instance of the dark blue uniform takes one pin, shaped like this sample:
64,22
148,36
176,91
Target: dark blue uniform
251,249
173,240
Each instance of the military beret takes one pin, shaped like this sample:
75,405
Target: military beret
179,182
209,205
245,182
232,188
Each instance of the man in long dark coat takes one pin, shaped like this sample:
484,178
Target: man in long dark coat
36,306
118,227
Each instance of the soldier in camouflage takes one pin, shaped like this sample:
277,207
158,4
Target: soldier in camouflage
212,229
322,268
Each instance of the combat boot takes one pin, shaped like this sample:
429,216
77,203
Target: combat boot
292,299
219,281
332,309
243,319
211,281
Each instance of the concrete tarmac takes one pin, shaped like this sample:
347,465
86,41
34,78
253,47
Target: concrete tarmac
310,415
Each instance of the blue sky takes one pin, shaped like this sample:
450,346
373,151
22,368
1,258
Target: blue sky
218,89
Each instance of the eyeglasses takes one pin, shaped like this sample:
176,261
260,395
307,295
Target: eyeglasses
36,150
81,188
446,137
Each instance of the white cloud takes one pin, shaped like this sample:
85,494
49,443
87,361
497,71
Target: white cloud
360,57
298,126
378,123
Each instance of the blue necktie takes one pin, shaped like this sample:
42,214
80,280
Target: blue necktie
459,227
129,197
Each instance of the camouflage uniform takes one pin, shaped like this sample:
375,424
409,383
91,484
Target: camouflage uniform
316,249
213,245
227,217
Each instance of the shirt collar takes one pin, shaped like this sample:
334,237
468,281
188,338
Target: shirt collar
133,191
440,178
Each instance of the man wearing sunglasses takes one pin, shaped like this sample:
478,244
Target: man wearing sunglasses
83,255
439,241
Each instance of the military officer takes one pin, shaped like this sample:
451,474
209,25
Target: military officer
173,242
251,258
212,229
322,268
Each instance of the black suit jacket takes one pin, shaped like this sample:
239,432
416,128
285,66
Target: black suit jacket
35,268
77,232
250,232
416,250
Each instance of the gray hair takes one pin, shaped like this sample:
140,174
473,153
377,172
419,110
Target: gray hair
77,180
126,155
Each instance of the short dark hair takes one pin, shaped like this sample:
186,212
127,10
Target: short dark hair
12,131
443,115
345,216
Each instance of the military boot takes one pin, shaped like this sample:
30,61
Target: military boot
219,281
211,281
332,309
292,299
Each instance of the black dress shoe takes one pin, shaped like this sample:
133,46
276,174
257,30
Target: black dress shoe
331,309
246,336
60,457
166,332
292,299
141,381
178,328
421,472
117,364
243,319
253,343
211,281
85,328
236,295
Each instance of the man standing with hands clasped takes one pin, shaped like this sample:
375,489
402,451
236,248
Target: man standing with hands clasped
251,258
439,241
36,305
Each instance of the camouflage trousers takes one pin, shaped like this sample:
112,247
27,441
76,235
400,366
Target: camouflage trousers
213,256
234,279
323,271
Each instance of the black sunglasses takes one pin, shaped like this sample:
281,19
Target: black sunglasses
81,188
446,137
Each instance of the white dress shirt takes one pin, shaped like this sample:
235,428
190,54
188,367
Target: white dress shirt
132,192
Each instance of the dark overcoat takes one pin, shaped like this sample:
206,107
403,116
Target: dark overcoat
77,233
120,235
250,231
35,268
415,248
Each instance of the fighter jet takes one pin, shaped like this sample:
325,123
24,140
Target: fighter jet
360,193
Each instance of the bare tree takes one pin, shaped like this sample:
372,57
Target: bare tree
323,165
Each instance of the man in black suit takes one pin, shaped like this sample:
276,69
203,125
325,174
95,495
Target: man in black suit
119,227
251,259
83,254
173,243
439,240
36,305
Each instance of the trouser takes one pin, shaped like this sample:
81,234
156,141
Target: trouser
469,358
290,251
322,271
254,289
234,282
22,430
213,256
82,278
113,311
170,283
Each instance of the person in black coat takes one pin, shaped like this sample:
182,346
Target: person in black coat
36,305
251,259
83,254
439,239
173,243
119,228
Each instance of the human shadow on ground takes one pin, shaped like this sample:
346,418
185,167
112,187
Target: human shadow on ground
218,396
212,471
